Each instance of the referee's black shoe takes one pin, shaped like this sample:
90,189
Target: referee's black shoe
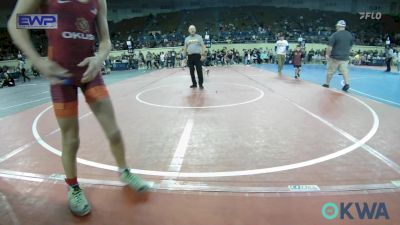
346,87
193,86
201,87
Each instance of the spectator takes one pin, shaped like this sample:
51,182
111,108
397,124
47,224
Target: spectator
182,58
169,59
8,81
357,59
229,58
21,68
35,72
149,59
281,49
264,57
156,61
162,59
173,58
247,57
398,61
142,61
388,58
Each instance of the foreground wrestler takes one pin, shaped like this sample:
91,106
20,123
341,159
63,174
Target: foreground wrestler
72,64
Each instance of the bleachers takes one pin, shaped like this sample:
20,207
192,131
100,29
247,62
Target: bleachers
240,24
204,19
165,22
7,49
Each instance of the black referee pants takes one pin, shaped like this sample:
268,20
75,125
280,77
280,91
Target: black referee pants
194,61
388,64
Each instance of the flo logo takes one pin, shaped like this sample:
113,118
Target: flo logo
351,210
370,15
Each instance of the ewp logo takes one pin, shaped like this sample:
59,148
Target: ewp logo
369,15
364,211
37,21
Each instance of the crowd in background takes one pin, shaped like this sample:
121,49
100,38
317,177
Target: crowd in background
225,56
224,26
250,25
220,57
231,25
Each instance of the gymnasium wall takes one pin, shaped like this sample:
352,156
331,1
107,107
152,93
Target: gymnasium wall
240,47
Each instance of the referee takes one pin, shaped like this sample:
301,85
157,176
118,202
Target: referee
195,50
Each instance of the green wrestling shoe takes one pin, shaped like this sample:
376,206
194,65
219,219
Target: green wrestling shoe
135,182
78,204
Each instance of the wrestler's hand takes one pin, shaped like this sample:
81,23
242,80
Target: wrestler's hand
93,68
55,73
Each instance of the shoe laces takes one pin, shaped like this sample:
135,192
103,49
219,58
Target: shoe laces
131,177
77,195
